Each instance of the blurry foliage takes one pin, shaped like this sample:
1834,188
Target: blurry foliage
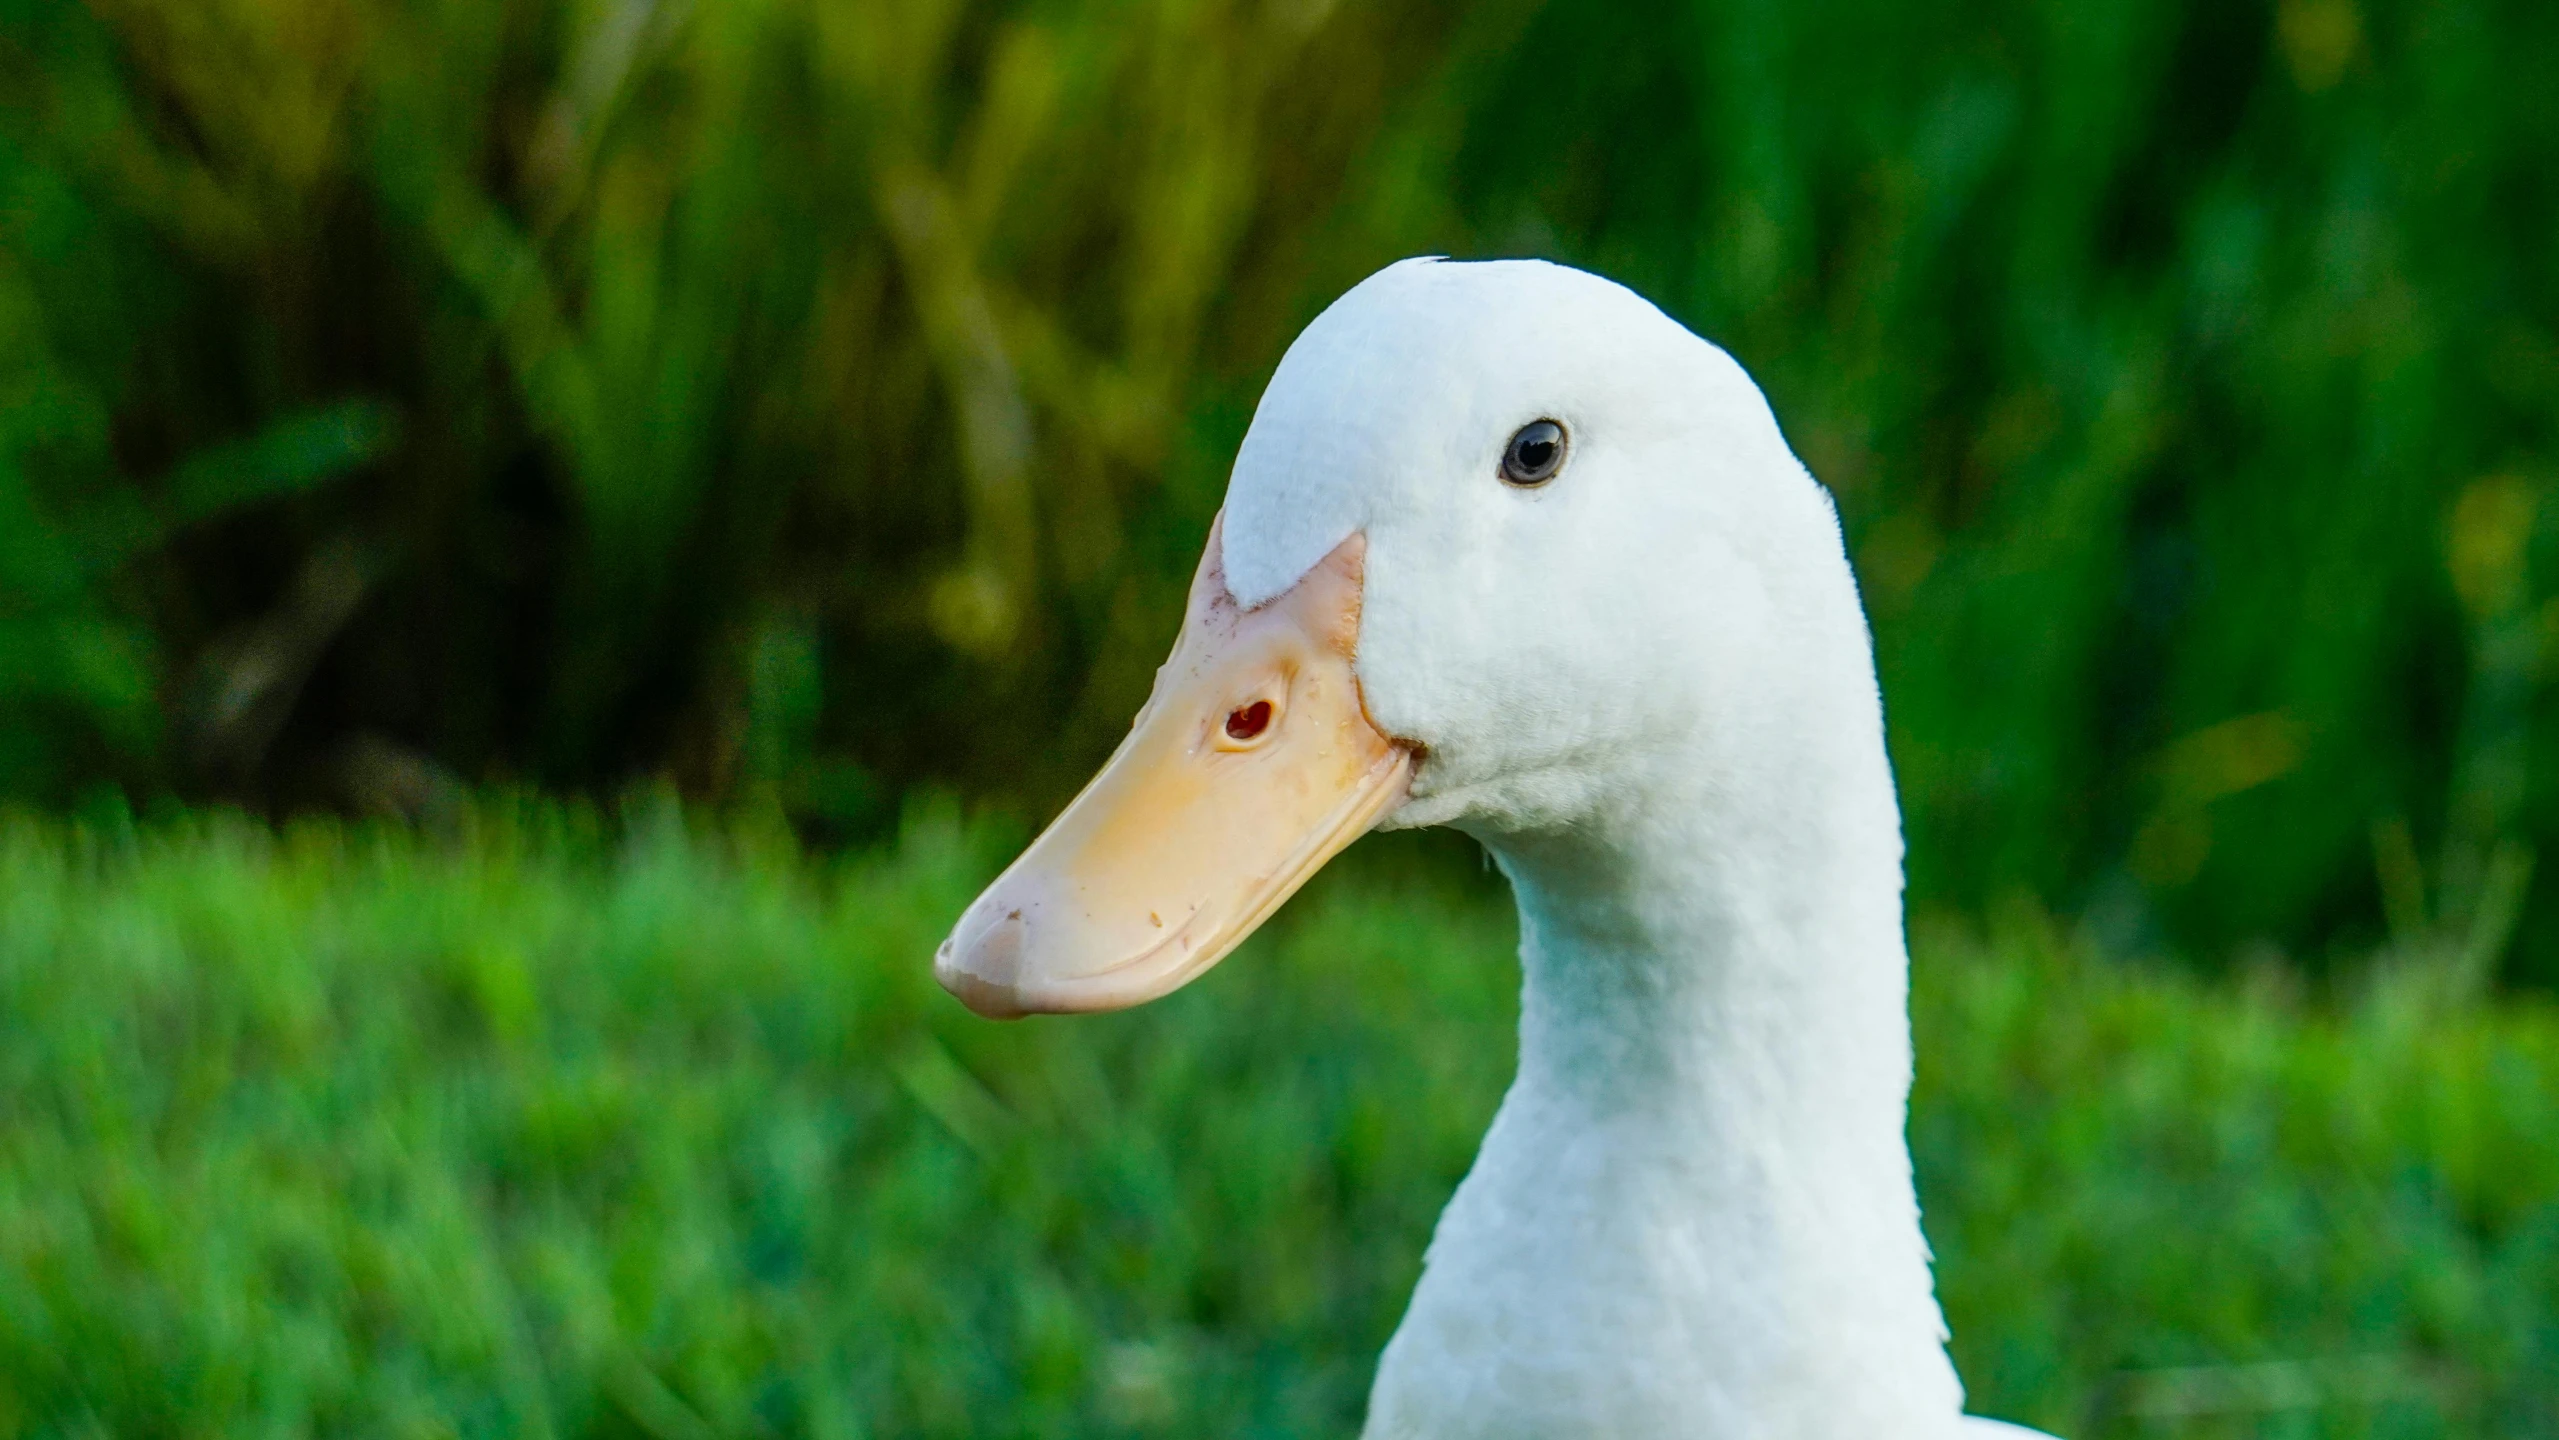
592,1130
815,397
774,382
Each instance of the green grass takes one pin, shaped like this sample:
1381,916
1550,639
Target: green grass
558,1127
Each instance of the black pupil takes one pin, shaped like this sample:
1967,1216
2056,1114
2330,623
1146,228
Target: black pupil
1533,453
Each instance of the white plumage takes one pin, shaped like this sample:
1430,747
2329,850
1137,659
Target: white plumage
1647,687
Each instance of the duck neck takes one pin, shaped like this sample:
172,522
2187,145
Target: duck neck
1768,988
1715,1049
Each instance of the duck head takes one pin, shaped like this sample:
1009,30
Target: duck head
1504,547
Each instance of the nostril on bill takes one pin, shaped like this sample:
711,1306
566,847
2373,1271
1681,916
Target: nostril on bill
1246,721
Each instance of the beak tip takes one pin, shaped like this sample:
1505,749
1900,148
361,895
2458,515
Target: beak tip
981,965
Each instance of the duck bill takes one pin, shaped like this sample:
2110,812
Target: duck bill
1251,765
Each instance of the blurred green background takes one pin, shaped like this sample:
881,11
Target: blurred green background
834,397
800,410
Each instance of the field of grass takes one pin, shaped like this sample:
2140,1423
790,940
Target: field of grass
567,1127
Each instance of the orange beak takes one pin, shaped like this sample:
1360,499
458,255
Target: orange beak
1252,764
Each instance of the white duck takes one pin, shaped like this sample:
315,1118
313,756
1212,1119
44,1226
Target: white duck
1508,549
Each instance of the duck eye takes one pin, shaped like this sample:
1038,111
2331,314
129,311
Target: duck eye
1535,454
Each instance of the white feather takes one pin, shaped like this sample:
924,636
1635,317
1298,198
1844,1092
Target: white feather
1647,687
